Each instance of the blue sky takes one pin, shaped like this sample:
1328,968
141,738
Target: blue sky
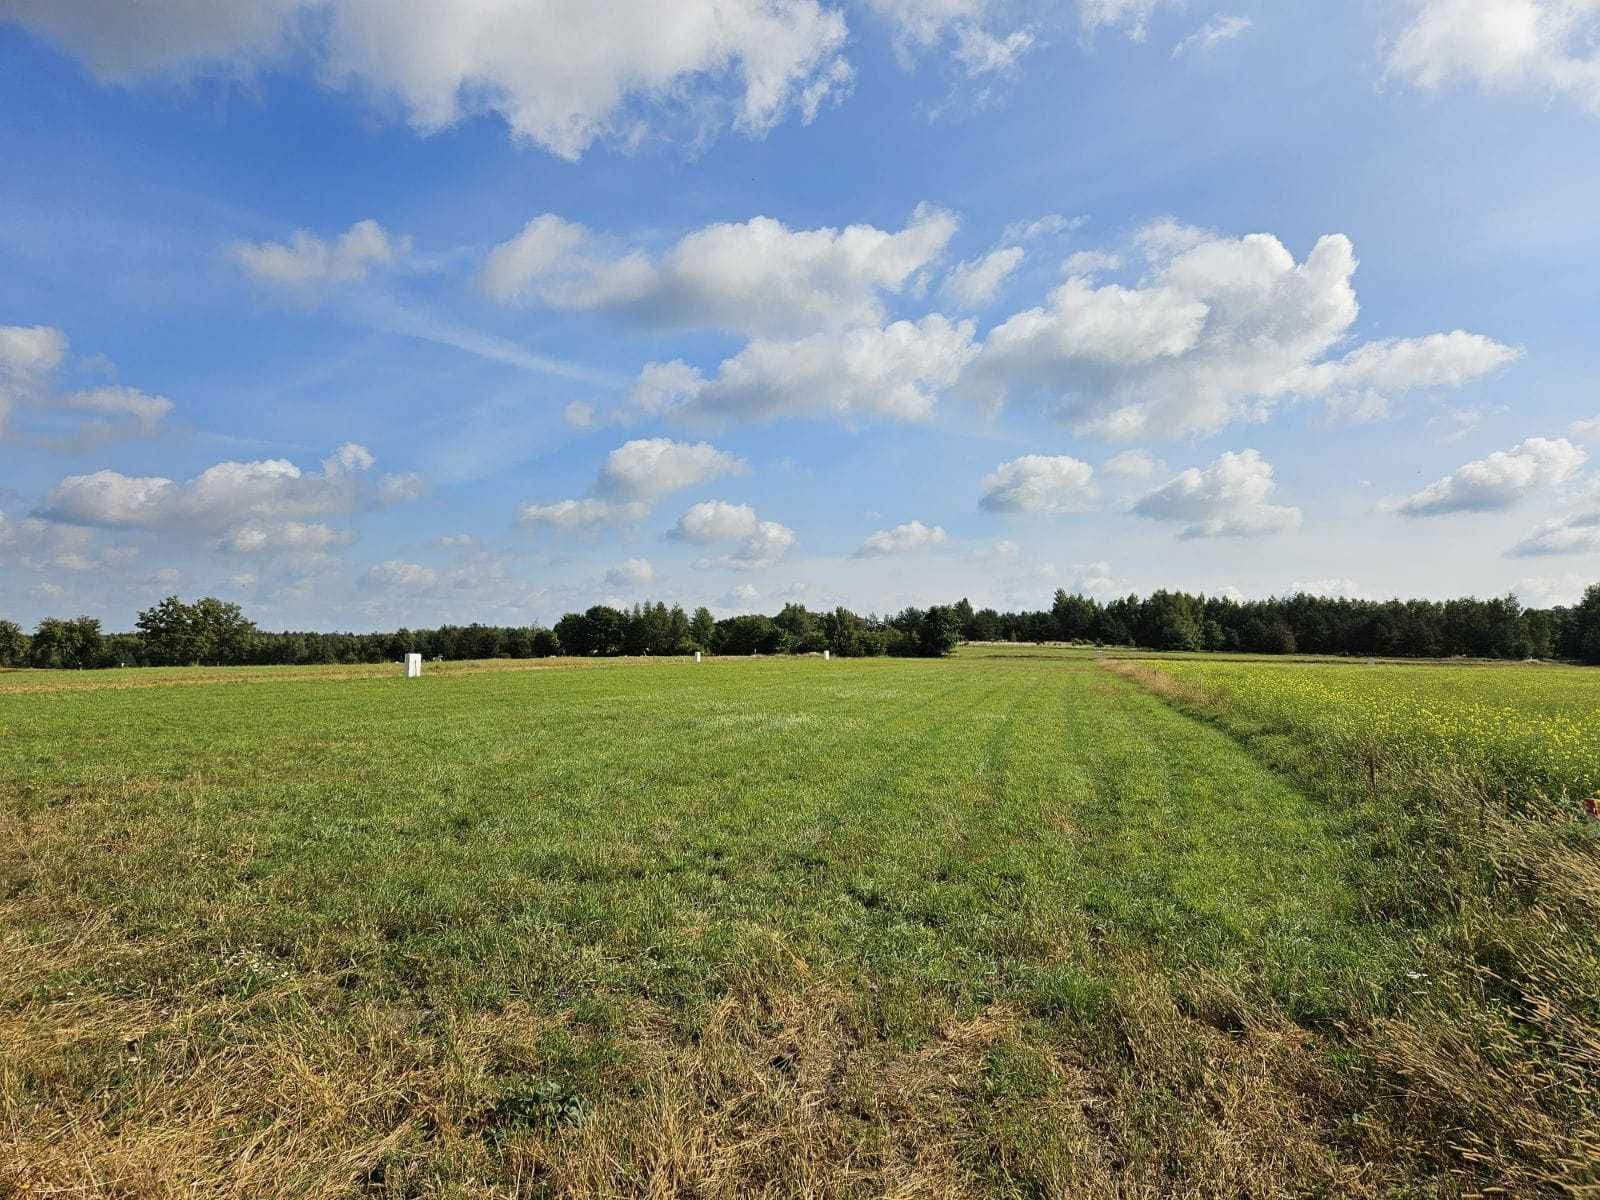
370,314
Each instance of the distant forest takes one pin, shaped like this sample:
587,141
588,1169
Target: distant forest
212,632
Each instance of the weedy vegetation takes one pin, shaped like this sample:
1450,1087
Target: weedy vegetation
1008,924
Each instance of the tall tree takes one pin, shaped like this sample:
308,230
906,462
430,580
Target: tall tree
13,645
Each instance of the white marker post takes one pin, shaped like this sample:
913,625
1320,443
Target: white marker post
413,666
827,654
697,656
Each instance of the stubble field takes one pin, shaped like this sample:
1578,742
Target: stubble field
1012,924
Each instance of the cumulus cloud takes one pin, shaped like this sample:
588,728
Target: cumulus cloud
1577,534
633,477
759,278
631,573
31,355
1218,330
1587,431
245,507
219,497
972,284
306,261
1544,591
1497,482
1212,34
1040,483
558,74
1542,46
761,543
649,468
1132,464
896,373
1094,579
30,351
1229,498
902,539
570,516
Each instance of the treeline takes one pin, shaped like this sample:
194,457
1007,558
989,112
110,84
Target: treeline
1305,624
212,632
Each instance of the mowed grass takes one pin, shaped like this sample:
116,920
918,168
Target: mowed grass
1003,925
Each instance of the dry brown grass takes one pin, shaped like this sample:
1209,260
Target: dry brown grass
782,1089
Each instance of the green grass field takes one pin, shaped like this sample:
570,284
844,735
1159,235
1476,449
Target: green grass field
1014,923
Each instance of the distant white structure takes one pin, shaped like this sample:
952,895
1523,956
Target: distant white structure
697,656
826,655
413,666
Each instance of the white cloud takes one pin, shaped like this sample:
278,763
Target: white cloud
1219,330
30,350
896,372
1543,46
29,357
246,507
573,515
1132,464
649,468
1577,534
1229,498
1587,431
1543,591
579,415
1091,262
1461,421
972,284
144,410
400,489
351,458
1095,579
219,497
633,477
924,23
757,278
307,261
302,536
559,74
401,576
762,543
631,573
1497,482
1049,225
1040,483
982,53
913,535
1213,33
1130,15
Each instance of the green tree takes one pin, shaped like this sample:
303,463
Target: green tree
223,635
77,643
1583,626
13,645
702,628
168,630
